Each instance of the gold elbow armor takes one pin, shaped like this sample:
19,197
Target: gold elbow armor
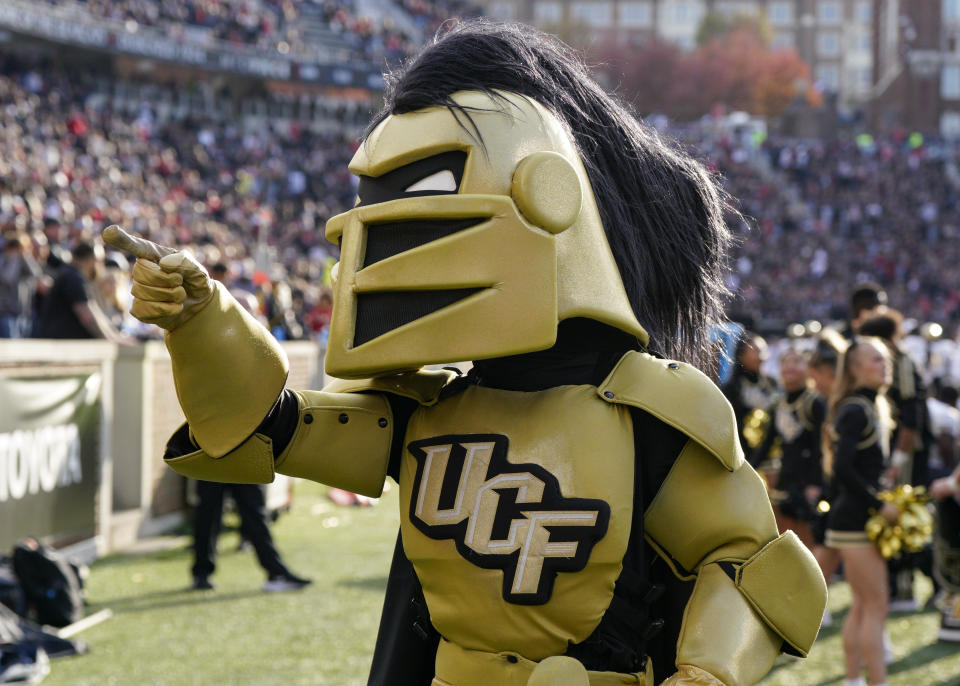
341,439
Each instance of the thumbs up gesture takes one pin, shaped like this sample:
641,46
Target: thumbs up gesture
169,286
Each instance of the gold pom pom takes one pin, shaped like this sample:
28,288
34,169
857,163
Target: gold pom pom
755,426
914,528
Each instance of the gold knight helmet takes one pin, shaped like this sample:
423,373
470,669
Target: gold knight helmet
468,242
505,200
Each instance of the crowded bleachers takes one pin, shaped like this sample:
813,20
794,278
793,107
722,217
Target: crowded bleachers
309,29
824,215
71,163
429,15
78,152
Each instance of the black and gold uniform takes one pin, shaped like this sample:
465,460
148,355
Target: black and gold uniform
548,497
861,446
541,536
748,392
908,399
797,422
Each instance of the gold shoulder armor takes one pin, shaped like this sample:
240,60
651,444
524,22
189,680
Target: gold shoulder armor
679,395
424,385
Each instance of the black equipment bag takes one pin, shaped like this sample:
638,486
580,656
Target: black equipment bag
11,592
50,583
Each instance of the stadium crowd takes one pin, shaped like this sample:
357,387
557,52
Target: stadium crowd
283,25
817,217
430,14
68,168
824,215
814,219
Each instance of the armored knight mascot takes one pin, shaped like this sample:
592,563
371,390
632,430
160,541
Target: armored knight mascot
574,510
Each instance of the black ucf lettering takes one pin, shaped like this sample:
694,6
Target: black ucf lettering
500,515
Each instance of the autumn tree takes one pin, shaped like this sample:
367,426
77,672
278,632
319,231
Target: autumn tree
735,69
715,25
643,75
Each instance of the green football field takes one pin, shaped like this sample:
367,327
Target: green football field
161,633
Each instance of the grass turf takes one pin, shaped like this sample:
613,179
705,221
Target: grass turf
165,635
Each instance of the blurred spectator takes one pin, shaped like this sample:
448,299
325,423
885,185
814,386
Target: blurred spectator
318,318
945,427
71,309
18,272
281,314
219,272
255,527
211,186
751,393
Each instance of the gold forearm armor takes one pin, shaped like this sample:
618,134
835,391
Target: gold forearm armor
228,370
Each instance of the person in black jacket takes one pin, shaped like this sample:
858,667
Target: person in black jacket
255,527
859,428
796,423
70,309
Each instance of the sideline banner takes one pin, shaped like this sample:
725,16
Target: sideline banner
49,456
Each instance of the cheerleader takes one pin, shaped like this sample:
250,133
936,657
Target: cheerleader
749,389
859,426
823,361
823,371
909,455
797,422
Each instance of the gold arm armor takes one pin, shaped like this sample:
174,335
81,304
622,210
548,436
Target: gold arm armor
712,519
345,432
228,371
251,462
343,437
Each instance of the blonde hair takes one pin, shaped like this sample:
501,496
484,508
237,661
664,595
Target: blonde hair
845,387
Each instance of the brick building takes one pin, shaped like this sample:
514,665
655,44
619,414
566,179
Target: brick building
917,66
835,37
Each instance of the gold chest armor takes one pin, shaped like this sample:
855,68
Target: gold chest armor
515,512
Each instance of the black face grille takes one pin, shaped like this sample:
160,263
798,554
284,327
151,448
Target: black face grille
378,313
387,240
394,184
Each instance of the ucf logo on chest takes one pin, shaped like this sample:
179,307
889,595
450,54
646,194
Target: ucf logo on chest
500,515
